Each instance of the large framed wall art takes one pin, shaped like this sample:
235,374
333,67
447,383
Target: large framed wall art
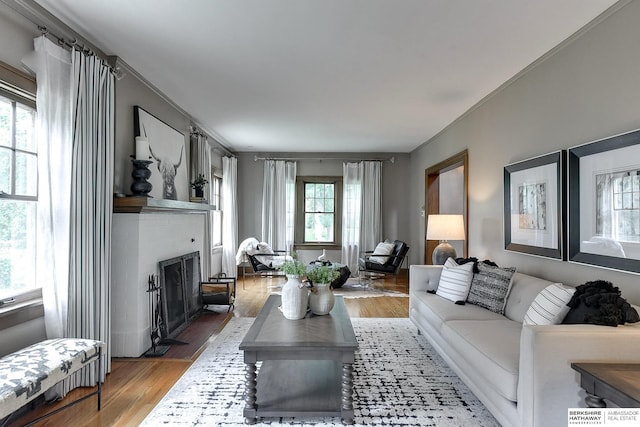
534,206
167,150
604,202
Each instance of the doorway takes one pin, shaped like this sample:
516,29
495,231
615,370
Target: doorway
446,192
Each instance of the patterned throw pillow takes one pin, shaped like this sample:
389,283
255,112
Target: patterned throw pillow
455,281
550,306
490,287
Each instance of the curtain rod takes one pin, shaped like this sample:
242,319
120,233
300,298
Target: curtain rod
49,25
390,159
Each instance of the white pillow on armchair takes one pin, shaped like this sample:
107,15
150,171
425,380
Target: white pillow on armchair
384,249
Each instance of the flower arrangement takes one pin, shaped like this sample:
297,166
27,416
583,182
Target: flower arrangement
199,182
322,274
293,268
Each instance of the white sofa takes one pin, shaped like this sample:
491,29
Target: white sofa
521,374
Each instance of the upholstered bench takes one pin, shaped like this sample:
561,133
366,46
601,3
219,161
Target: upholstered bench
27,373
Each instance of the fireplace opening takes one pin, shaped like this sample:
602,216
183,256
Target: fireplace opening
179,293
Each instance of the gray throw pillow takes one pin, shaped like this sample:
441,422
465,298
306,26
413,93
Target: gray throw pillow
490,287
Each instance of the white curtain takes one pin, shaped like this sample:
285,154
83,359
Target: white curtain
371,226
75,125
89,313
351,207
361,210
278,204
52,65
229,215
201,164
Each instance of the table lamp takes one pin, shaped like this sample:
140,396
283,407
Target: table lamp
444,228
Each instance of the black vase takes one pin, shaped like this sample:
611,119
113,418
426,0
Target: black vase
140,174
199,192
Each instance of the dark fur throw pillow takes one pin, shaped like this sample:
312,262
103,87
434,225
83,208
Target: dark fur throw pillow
599,303
475,262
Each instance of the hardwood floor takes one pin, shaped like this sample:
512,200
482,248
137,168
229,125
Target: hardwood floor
135,386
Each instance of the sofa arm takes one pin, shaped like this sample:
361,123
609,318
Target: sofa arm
424,277
547,384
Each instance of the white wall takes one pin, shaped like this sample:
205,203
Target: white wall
139,242
586,91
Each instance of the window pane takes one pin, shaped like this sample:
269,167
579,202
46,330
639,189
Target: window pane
309,205
26,174
328,205
318,227
328,191
5,170
636,182
17,246
617,185
309,190
626,200
5,122
25,118
217,228
319,190
617,201
319,205
626,183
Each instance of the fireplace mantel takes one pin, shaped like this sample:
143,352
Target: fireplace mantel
136,204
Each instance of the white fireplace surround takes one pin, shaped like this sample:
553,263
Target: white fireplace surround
139,242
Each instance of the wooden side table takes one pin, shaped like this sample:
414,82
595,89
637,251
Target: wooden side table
616,382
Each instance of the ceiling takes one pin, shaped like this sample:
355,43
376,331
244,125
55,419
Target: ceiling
326,75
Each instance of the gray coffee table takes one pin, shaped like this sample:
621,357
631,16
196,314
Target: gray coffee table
307,364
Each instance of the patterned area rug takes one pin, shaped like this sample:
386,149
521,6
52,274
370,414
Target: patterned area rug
354,288
399,380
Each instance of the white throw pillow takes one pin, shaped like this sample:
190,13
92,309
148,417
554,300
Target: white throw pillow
383,248
550,305
455,281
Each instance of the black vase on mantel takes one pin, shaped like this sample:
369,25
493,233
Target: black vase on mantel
140,174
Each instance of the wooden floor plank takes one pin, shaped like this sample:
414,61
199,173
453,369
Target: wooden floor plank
135,385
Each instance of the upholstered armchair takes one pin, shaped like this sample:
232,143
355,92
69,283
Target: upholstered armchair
386,259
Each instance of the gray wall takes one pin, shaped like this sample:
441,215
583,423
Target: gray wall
16,36
585,91
129,92
395,194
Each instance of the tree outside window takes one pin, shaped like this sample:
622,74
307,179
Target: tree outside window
18,197
318,211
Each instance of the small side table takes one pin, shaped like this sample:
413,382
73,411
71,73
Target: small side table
616,382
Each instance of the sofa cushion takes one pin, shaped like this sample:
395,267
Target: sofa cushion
490,348
524,289
437,310
550,305
455,281
490,287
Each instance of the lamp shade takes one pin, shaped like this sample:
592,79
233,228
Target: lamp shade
445,227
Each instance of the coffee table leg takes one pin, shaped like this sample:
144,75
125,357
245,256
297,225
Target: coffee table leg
250,393
347,393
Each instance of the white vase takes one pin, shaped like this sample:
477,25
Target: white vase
321,301
295,298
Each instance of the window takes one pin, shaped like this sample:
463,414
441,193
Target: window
318,211
18,194
216,185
